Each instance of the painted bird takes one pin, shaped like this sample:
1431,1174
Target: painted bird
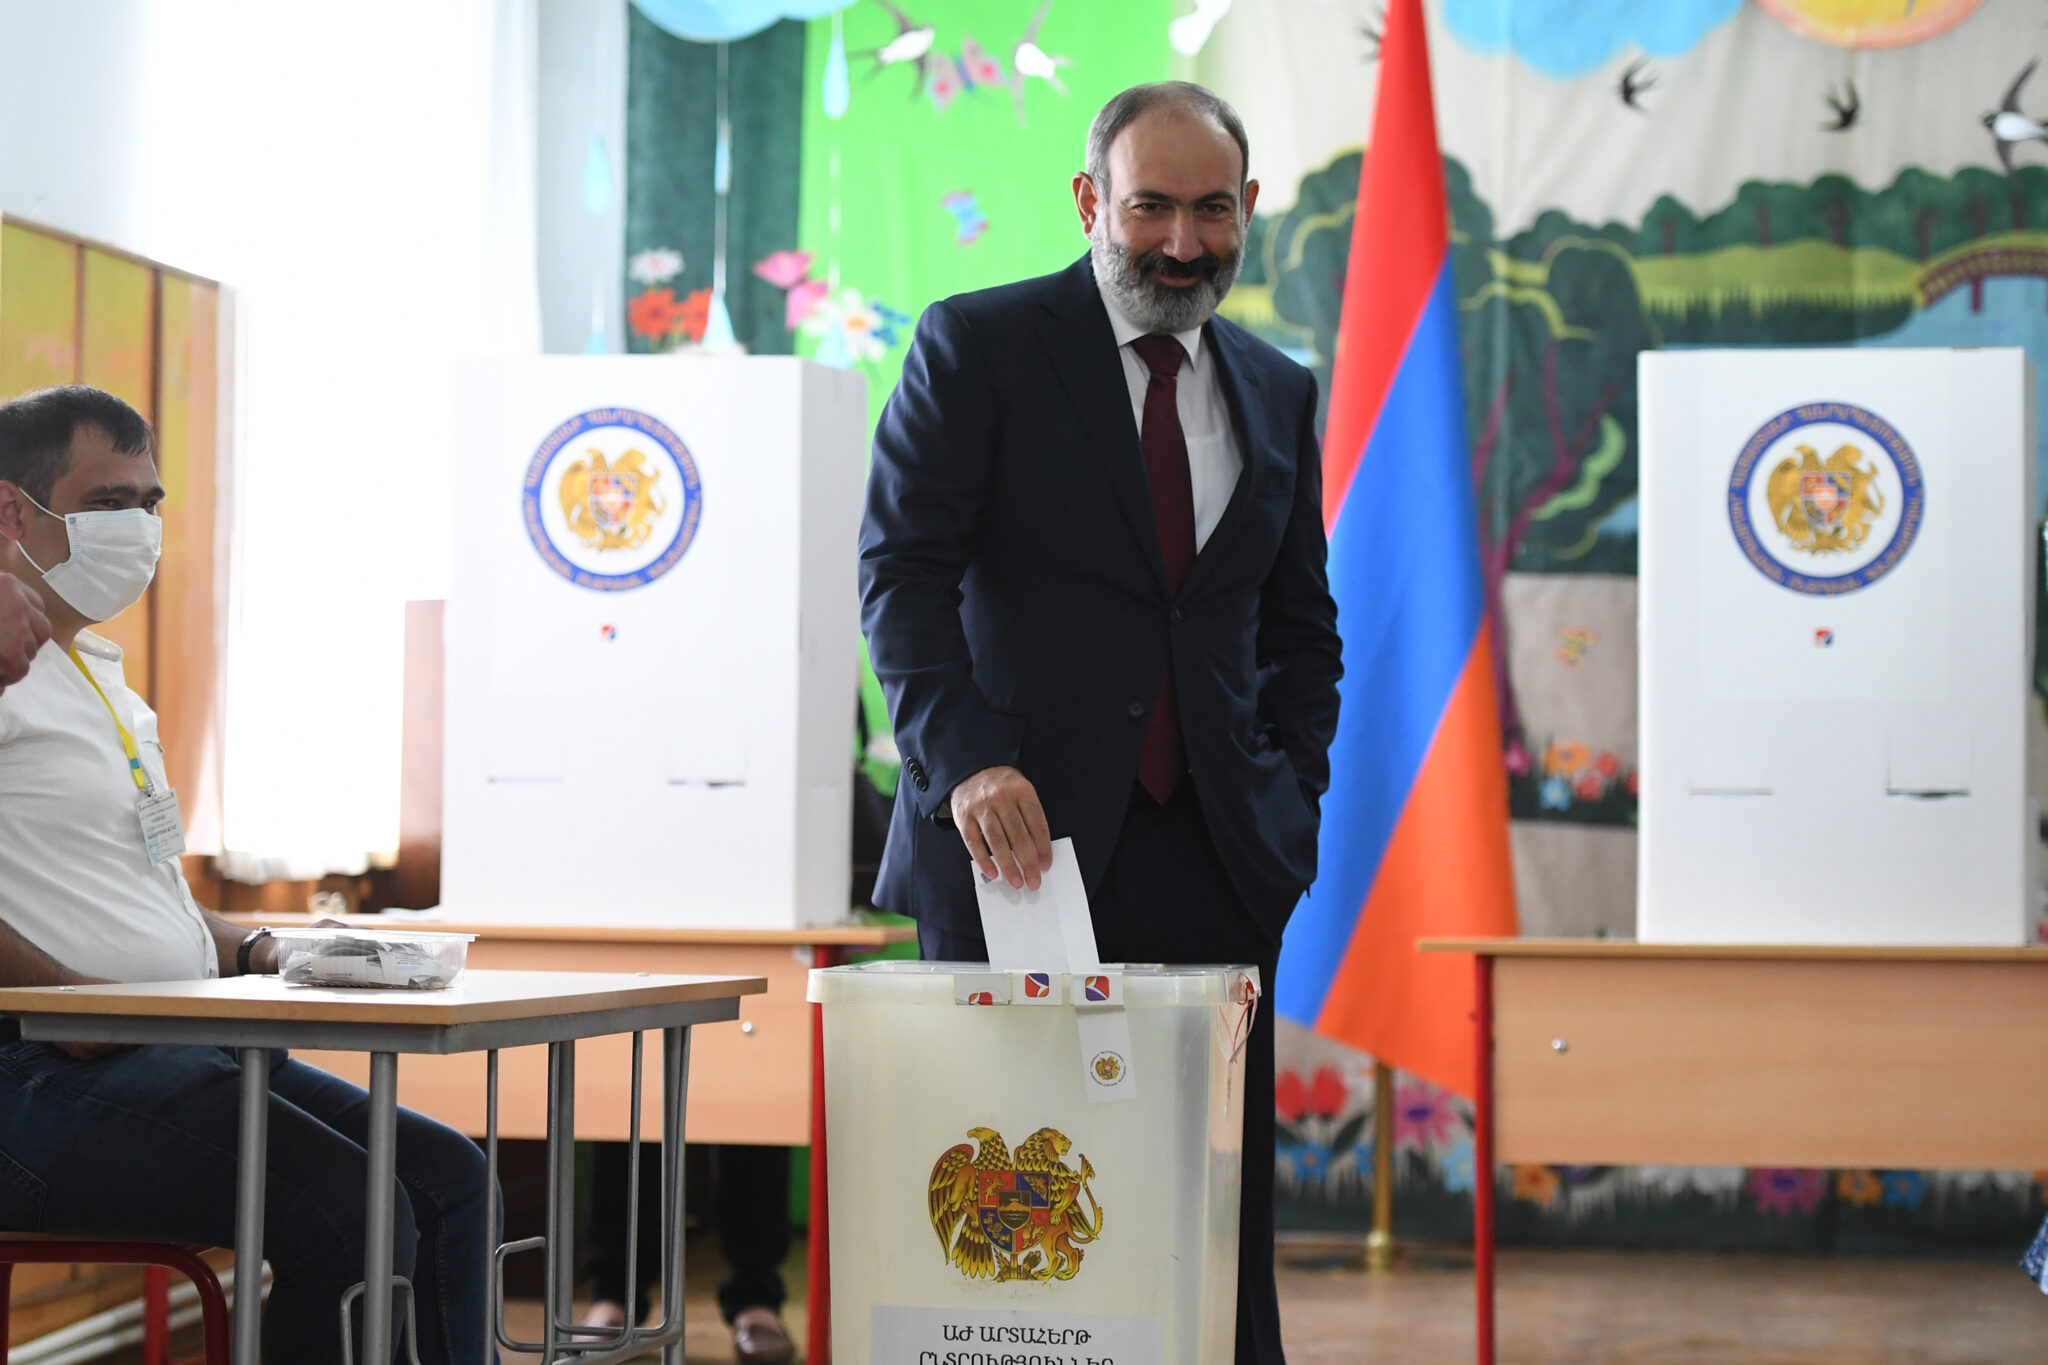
2008,126
1028,59
912,44
1846,109
1631,87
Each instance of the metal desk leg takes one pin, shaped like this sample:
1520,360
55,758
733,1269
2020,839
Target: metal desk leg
559,1280
382,1210
491,1231
249,1180
1482,1159
675,1095
818,1249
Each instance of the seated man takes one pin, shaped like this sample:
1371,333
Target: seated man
141,1142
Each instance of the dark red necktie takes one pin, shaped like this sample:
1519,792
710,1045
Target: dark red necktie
1165,759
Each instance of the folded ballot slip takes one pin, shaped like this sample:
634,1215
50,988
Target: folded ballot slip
389,959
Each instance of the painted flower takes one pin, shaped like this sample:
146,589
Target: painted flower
1567,758
1859,1189
801,301
656,265
1632,784
1536,1184
845,326
1422,1114
695,314
1516,758
1556,794
1290,1096
1903,1189
1455,1165
652,314
1589,787
1326,1092
784,269
1607,765
1786,1192
1311,1161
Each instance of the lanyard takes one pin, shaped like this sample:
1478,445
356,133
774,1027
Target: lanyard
142,782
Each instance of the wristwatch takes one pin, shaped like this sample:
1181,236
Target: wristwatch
249,941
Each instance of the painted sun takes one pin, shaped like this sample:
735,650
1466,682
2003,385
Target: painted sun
1869,23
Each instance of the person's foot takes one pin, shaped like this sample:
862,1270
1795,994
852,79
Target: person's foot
758,1338
604,1313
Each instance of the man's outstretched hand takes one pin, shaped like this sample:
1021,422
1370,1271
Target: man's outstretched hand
23,629
999,819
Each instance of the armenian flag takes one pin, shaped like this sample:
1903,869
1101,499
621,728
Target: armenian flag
1414,833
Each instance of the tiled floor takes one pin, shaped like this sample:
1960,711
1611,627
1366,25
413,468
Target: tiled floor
1601,1308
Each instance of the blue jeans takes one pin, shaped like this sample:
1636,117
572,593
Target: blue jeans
142,1144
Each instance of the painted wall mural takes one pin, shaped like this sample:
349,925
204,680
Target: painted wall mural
1625,178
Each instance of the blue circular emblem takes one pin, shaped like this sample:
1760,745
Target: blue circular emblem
612,499
1826,498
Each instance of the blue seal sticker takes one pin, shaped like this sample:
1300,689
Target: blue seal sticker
612,499
1826,498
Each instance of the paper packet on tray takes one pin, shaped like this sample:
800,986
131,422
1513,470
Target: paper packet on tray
400,959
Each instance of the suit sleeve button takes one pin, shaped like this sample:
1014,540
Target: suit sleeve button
1135,709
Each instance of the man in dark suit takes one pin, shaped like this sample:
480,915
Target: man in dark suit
1092,574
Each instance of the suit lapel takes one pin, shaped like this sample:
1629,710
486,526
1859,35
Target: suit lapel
1244,392
1083,349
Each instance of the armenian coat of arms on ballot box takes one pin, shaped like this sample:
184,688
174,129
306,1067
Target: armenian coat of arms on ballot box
612,499
1825,526
1005,1217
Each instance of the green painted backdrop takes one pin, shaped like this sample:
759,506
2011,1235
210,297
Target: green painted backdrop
898,156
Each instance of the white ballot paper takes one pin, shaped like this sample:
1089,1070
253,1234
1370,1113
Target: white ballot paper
1043,930
1049,930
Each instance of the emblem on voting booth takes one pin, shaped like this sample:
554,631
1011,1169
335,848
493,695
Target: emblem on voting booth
612,499
1825,525
1002,1217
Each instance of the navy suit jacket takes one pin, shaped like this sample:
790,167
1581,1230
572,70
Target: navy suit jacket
1016,609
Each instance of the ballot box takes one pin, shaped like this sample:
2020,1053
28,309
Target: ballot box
651,641
1837,608
1034,1165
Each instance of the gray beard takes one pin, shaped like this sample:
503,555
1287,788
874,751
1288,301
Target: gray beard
1153,306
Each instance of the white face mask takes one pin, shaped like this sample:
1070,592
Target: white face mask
113,558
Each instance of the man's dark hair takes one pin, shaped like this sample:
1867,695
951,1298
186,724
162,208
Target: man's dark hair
36,431
1125,109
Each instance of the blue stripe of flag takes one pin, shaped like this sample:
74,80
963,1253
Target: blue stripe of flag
1404,567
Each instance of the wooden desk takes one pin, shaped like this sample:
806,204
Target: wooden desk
1595,1052
761,1083
483,1011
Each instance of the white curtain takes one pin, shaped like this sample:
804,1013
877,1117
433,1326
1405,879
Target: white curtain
363,177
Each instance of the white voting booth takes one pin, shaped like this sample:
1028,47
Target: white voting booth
651,641
1836,631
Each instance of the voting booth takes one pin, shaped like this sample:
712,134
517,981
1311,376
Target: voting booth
1006,1186
651,641
1837,604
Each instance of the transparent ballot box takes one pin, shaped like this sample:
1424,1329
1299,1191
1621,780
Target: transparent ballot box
1034,1166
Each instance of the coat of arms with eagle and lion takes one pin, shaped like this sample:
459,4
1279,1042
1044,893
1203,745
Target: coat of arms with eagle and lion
1021,1217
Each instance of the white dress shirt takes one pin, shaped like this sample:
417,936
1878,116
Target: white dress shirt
75,877
1214,461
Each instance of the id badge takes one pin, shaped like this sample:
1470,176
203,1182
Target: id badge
163,829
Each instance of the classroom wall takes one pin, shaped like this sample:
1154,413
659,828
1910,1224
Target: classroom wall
72,92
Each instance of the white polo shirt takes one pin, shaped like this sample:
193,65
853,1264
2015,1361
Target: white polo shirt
75,879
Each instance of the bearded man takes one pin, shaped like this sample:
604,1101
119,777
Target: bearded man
1092,579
